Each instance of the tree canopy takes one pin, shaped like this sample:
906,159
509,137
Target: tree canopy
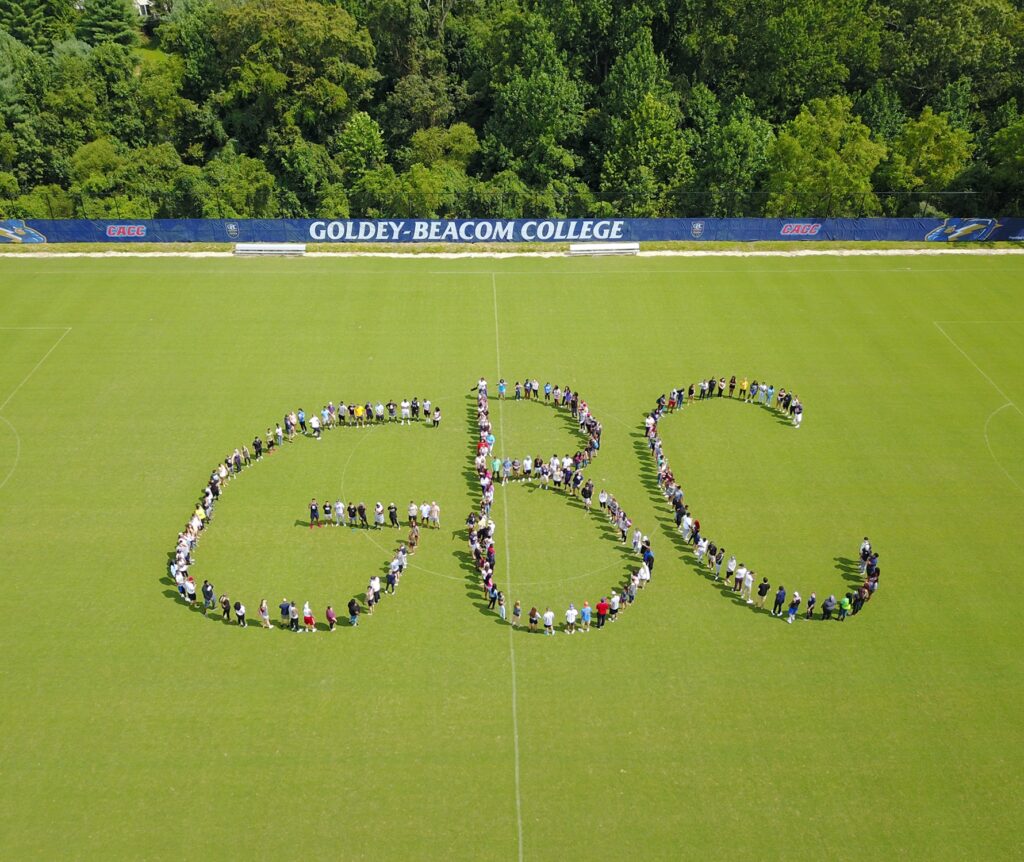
333,108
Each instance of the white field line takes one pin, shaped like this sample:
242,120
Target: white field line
456,255
508,581
14,431
977,367
994,413
999,463
35,368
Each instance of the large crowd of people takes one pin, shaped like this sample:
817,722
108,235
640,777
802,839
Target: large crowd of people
728,569
556,473
355,514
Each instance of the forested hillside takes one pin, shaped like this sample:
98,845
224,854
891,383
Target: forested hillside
434,108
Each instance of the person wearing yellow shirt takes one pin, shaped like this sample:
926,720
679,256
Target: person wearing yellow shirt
744,386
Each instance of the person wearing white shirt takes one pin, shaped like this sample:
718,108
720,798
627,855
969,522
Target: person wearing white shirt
406,414
614,603
570,619
424,513
686,527
549,622
730,569
748,587
737,583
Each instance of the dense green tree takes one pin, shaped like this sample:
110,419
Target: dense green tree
510,107
239,187
733,166
647,165
296,62
25,20
930,152
822,162
1007,162
107,21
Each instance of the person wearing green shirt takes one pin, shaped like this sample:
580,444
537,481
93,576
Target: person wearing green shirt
844,607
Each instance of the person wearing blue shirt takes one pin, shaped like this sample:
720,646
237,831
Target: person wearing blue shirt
302,419
780,600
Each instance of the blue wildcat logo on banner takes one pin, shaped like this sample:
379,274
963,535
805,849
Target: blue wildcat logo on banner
15,230
963,230
697,229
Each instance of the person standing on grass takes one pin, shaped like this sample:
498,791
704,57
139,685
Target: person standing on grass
190,590
240,615
284,608
361,509
378,516
844,608
351,512
798,414
332,618
308,623
225,608
339,513
748,586
534,619
828,607
375,586
794,606
437,416
492,595
501,604
293,617
302,419
370,601
264,612
730,570
613,606
812,600
392,576
393,514
517,613
353,611
737,581
328,511
585,614
314,424
570,619
780,600
549,622
207,596
602,612
314,513
762,592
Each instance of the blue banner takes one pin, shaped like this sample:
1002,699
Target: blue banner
511,230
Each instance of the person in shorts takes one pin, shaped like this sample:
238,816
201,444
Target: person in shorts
534,619
549,622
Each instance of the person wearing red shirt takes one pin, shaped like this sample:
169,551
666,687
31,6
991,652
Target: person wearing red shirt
602,612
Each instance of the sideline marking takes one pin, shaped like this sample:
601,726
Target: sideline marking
508,581
17,436
992,415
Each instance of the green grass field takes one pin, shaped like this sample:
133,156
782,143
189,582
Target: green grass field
693,728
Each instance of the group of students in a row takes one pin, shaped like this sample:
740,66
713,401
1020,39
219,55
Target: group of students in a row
296,421
749,392
565,472
738,577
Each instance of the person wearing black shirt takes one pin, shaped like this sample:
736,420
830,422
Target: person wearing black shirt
314,514
353,612
393,514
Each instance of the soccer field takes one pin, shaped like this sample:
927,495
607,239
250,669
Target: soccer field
693,728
